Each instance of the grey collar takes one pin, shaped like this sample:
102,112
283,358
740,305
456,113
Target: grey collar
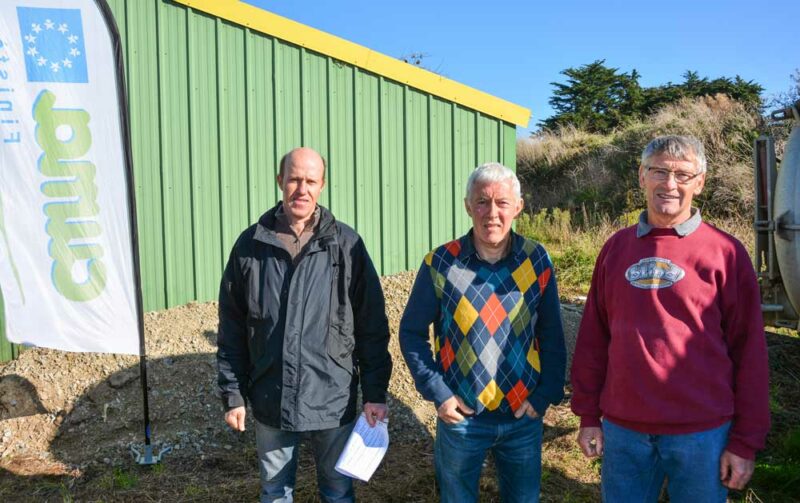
682,229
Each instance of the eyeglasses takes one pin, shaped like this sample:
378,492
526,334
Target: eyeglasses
662,175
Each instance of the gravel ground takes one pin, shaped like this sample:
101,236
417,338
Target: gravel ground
65,412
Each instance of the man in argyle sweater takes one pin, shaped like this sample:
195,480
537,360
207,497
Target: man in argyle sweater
498,342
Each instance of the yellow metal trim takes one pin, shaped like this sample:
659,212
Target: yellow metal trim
280,27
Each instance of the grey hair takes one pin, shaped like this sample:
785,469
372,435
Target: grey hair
492,172
686,148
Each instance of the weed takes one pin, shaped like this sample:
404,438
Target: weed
778,477
791,445
193,491
775,406
574,267
56,488
573,240
158,469
119,479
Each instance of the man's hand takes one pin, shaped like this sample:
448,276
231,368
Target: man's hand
375,412
526,408
590,440
735,471
235,418
453,410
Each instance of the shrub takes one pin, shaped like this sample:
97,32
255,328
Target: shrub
573,241
569,168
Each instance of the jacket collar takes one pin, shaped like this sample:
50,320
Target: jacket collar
265,228
282,221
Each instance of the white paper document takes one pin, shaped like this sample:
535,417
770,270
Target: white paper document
364,449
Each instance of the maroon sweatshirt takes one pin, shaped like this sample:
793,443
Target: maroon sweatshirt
672,338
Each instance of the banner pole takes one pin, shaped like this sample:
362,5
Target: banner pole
145,456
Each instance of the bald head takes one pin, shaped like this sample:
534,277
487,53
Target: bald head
301,180
301,155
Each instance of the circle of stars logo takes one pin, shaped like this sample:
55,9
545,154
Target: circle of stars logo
62,28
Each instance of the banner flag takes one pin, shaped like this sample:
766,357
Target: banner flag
67,272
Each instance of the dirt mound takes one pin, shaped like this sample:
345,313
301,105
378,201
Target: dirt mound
66,413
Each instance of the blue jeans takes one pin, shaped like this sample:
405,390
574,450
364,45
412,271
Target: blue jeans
277,459
635,465
460,449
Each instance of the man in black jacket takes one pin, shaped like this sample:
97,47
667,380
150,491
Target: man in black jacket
301,321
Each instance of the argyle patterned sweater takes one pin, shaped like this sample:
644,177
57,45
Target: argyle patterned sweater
498,338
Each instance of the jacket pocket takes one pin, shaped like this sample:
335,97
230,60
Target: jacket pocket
340,348
259,342
341,341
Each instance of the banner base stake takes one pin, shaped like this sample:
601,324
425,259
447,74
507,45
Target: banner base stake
149,457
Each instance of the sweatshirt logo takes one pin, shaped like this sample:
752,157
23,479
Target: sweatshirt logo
654,272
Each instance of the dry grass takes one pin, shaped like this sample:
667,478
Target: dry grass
570,168
573,243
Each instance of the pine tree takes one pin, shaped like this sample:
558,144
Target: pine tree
599,99
595,98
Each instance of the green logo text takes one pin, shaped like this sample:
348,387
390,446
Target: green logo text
64,137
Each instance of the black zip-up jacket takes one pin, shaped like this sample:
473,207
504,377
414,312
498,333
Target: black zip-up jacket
294,341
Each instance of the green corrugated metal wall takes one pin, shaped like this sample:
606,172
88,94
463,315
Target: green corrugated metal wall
213,107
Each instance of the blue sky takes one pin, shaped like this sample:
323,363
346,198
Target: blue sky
514,50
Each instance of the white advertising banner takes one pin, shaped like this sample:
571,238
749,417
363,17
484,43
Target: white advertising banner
66,264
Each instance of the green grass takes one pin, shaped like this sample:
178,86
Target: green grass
52,490
780,472
119,479
573,243
193,491
779,480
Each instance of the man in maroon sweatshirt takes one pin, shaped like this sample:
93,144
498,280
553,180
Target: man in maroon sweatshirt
671,352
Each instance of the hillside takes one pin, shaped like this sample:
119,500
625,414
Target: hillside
575,170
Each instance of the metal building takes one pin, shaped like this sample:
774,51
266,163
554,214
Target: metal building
219,90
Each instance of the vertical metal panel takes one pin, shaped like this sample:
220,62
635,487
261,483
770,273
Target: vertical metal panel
417,184
314,123
8,351
445,195
175,167
368,159
509,154
118,9
288,114
488,139
464,157
393,183
341,150
204,154
232,131
261,165
142,64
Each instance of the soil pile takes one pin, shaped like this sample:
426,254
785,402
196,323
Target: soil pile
66,413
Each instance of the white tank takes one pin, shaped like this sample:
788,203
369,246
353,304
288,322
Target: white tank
787,213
